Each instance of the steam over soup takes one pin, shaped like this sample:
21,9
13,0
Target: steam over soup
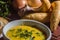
25,33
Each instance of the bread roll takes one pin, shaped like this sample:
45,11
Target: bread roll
3,22
55,15
45,5
42,17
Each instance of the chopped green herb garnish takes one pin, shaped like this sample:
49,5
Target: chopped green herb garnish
38,34
4,8
12,30
19,30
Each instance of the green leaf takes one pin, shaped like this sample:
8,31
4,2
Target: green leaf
2,2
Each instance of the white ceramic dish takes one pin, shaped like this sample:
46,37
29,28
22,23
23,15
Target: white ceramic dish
37,24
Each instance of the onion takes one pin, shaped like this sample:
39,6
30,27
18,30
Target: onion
19,3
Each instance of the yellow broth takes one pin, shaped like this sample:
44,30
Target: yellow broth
25,33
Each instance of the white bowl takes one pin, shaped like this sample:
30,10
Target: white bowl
37,24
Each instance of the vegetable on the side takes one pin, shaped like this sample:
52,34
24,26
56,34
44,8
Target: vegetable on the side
4,11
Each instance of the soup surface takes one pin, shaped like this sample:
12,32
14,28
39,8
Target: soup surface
25,33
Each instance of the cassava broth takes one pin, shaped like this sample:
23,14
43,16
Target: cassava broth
25,33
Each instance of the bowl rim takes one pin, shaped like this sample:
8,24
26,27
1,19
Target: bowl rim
48,38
